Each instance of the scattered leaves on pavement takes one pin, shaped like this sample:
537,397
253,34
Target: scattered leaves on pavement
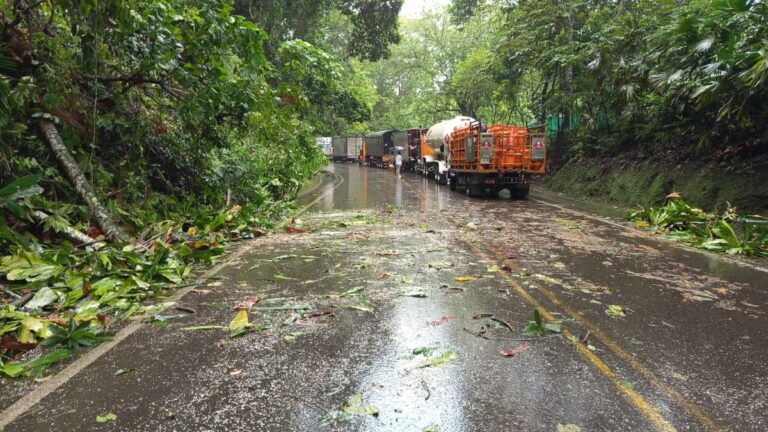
414,292
290,337
294,230
440,360
511,352
203,327
246,304
201,291
441,320
351,408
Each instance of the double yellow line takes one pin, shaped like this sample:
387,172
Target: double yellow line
634,398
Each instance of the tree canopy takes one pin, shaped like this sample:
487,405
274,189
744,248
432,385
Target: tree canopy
606,77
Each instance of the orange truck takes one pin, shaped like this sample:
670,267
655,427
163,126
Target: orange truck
486,161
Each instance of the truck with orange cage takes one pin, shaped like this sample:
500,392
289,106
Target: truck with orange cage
486,161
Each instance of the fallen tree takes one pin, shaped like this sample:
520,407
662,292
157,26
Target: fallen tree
83,188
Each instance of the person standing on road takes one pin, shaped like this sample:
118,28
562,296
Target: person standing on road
398,163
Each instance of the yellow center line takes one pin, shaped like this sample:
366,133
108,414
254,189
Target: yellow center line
631,395
635,398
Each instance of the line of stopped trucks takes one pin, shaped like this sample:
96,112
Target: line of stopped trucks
460,152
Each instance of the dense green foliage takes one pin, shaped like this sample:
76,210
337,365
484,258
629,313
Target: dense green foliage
174,97
660,75
348,29
661,78
194,122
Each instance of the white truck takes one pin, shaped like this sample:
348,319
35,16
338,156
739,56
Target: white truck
435,159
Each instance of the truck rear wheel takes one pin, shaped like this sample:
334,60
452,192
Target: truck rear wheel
452,181
520,191
474,190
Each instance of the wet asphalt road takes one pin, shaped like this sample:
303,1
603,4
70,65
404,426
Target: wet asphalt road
690,354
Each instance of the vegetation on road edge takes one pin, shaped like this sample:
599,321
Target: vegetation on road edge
727,232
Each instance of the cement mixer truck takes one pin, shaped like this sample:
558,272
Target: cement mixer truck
435,151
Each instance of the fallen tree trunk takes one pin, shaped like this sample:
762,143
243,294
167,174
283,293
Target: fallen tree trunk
70,233
83,188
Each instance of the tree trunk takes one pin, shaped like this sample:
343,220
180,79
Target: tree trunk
70,233
83,188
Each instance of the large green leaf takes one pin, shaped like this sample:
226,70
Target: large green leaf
29,267
24,187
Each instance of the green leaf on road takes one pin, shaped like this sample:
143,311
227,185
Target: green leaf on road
615,311
426,351
240,320
354,406
626,384
281,276
290,337
351,408
106,418
465,279
351,291
204,327
123,371
440,360
414,292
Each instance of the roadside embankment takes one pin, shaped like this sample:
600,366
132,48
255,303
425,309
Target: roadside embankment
710,185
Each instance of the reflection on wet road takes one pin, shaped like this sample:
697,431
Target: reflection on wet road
693,326
392,311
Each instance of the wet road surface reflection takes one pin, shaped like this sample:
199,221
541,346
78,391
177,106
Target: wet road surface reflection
401,292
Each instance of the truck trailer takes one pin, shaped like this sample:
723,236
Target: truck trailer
325,144
408,142
486,162
346,148
378,149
